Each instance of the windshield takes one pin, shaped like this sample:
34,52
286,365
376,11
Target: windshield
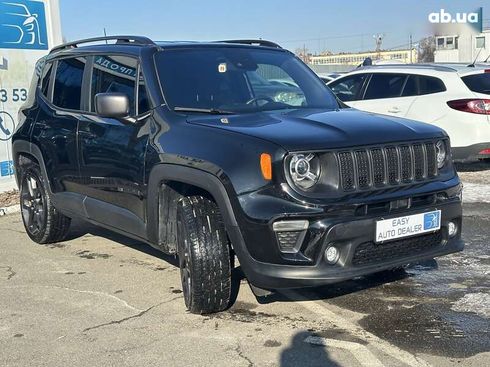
238,79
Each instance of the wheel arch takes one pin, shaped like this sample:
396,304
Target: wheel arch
168,182
24,152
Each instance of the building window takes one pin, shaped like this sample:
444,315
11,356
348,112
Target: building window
440,42
447,43
480,42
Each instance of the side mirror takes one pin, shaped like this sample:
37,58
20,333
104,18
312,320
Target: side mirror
114,105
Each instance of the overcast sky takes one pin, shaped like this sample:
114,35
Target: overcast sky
320,25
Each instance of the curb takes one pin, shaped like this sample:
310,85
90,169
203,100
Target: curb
9,210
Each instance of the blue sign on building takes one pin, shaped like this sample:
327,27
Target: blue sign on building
6,168
23,25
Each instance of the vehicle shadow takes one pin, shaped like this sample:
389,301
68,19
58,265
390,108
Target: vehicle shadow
80,228
301,353
348,286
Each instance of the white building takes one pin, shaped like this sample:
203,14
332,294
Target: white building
463,47
354,59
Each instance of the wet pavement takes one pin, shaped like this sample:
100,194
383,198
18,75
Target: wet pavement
420,308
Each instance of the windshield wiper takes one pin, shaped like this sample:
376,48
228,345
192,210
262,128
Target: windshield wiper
212,111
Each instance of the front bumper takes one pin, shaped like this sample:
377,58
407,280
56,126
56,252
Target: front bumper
353,236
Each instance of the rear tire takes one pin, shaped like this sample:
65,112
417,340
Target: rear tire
43,223
204,256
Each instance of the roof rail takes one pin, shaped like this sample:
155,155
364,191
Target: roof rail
139,40
254,42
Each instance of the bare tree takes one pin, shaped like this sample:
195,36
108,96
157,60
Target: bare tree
302,53
427,46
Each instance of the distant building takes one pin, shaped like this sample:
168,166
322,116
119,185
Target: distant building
354,59
463,47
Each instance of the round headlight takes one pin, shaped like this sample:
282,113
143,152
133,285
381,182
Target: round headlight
304,170
441,154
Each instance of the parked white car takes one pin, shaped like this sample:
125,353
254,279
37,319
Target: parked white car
328,77
454,97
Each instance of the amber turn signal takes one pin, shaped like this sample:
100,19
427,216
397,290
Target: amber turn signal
266,165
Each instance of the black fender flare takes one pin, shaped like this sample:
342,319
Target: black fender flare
188,175
24,146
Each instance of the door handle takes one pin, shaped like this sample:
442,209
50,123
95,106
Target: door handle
394,110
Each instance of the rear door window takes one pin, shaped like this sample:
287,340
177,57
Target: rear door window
115,74
68,83
385,85
479,83
349,88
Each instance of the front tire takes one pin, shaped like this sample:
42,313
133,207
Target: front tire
204,256
43,223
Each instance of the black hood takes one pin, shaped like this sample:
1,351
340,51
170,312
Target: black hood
318,129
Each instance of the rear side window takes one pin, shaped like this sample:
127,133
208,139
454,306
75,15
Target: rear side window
385,85
479,83
143,103
115,74
430,84
68,83
348,88
45,77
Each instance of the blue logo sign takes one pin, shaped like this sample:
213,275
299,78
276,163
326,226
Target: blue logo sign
431,220
6,168
23,25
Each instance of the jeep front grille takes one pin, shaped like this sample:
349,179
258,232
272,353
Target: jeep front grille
386,166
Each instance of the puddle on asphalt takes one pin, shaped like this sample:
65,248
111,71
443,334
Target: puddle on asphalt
431,328
85,254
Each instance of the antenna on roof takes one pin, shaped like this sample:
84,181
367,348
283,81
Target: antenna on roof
378,38
472,65
105,35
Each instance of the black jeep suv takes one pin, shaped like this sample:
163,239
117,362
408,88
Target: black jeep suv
234,148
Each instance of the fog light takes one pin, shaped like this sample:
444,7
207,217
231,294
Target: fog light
452,229
332,254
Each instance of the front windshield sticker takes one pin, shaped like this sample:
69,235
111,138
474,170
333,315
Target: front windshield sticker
222,67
